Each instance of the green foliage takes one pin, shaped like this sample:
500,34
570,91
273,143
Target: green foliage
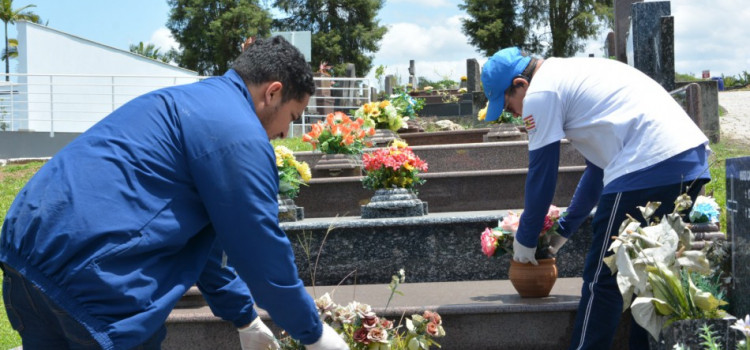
10,15
343,31
569,23
149,50
738,81
680,77
211,32
493,24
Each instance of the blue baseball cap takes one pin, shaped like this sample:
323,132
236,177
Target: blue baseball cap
497,76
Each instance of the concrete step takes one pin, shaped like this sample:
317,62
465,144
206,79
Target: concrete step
476,315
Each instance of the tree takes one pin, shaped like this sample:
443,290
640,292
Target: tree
9,15
560,26
570,22
149,50
343,31
493,25
210,32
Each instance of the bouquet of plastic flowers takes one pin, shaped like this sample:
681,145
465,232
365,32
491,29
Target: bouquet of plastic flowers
502,236
339,134
381,115
406,106
292,174
394,166
505,117
362,329
704,210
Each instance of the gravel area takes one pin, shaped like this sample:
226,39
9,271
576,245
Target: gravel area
735,125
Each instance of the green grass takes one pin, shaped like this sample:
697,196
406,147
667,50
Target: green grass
295,144
12,179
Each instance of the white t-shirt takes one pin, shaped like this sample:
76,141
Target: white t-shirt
617,117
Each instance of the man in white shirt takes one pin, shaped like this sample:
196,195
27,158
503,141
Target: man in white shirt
639,146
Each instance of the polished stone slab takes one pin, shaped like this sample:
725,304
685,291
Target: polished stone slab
738,229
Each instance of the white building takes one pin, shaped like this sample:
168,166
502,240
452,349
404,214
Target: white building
67,83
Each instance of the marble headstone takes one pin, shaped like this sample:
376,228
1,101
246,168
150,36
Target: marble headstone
390,81
738,228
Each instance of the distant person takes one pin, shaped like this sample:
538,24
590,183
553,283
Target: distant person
102,242
639,146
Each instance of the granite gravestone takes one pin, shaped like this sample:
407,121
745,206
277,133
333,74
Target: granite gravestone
622,24
738,228
652,30
412,75
473,75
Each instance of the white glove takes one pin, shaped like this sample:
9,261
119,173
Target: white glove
257,336
523,254
329,340
555,242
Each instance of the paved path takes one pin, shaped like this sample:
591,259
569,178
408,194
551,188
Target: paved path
735,125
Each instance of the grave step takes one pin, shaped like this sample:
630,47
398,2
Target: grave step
472,156
476,315
472,190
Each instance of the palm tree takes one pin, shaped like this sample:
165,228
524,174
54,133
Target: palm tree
9,15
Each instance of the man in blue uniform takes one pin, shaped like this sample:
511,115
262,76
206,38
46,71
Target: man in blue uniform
639,146
102,242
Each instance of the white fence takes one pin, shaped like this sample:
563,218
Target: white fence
73,103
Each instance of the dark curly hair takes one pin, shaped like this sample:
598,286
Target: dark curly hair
275,59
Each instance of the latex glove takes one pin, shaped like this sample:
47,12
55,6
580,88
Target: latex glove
329,340
523,254
257,336
555,242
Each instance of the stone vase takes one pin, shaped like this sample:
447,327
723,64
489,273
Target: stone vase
382,137
288,211
394,203
688,332
533,281
338,165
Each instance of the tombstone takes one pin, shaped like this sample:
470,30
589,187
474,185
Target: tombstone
390,82
473,75
622,23
609,45
348,94
738,228
322,103
412,75
652,31
709,108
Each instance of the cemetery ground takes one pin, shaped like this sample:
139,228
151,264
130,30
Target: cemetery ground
735,142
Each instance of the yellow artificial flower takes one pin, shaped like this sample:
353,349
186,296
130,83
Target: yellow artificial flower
384,103
482,114
304,171
400,144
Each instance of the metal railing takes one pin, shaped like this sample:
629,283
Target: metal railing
73,103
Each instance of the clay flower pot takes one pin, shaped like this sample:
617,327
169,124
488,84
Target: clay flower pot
533,281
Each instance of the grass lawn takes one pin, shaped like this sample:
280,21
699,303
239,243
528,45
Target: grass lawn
13,177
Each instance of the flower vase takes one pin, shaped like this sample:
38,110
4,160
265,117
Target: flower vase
533,281
288,211
338,165
393,203
383,137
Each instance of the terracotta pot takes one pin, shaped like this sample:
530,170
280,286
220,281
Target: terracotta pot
533,281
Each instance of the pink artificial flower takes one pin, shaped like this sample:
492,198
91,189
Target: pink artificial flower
510,222
489,242
554,212
432,329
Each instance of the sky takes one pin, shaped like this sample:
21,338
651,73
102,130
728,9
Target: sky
708,33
